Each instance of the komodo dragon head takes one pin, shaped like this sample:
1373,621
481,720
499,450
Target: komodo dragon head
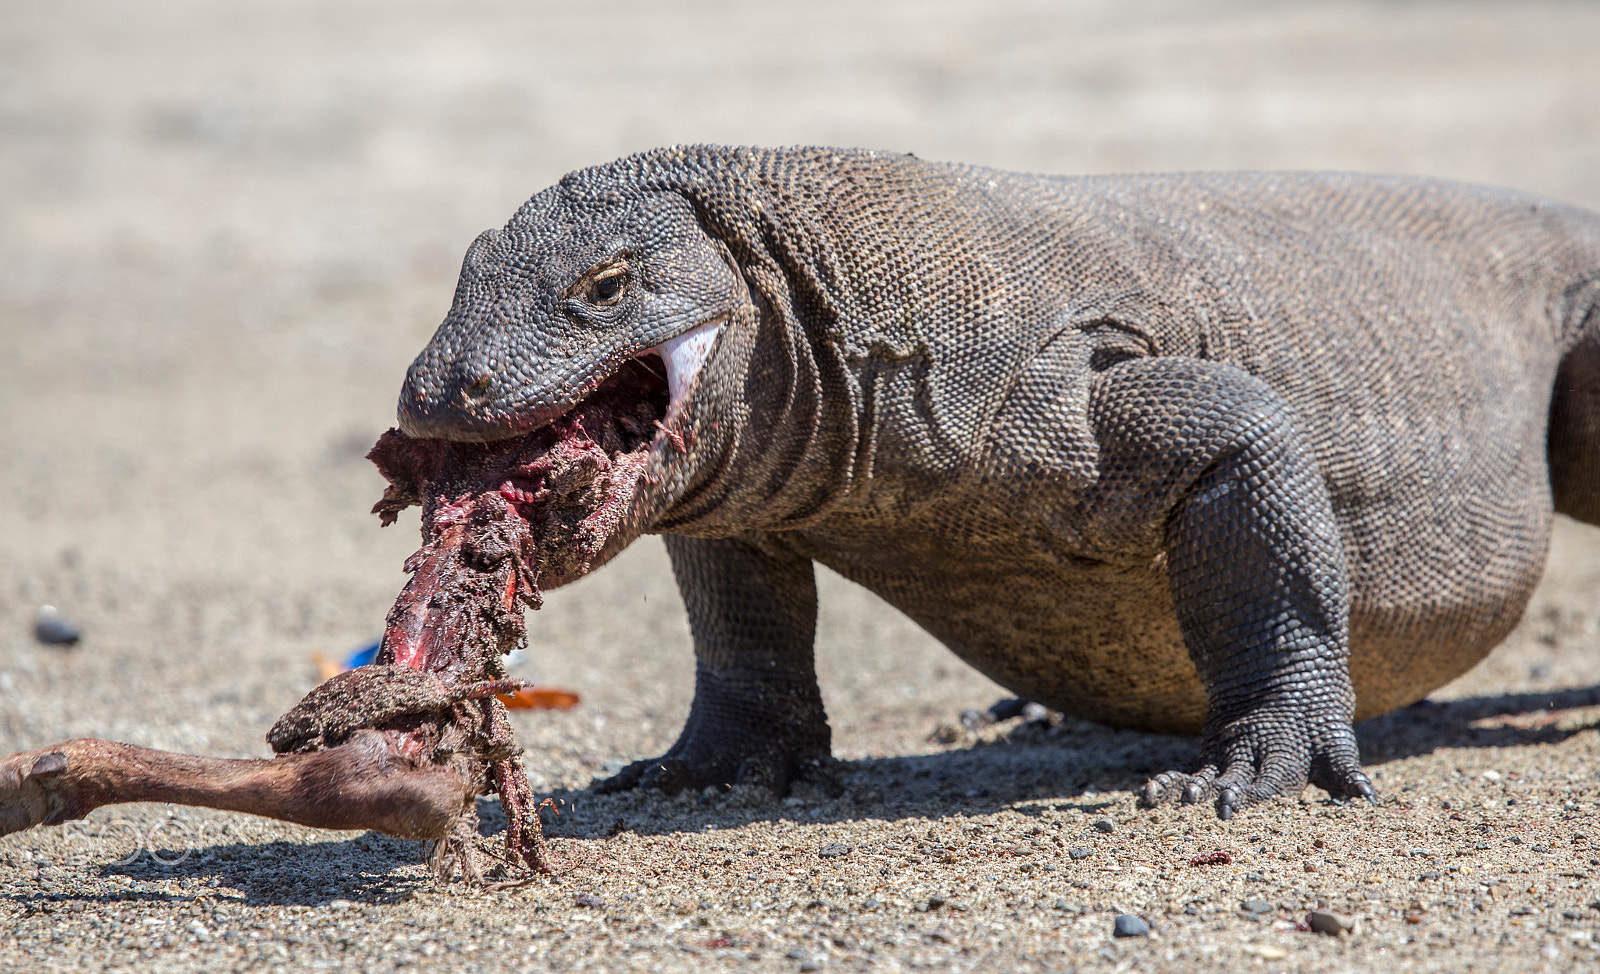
579,286
671,278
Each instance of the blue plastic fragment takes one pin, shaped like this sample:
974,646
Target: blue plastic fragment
363,656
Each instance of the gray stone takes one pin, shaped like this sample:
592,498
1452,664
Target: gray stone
1330,923
1128,925
52,630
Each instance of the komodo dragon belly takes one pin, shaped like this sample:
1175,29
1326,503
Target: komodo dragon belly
1101,641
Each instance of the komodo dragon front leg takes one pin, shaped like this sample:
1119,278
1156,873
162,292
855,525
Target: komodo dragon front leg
757,716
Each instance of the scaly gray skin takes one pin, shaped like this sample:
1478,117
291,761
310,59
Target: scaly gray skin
1252,455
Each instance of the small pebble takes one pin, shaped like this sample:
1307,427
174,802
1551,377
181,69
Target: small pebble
1256,906
834,850
1128,925
1266,951
1105,825
589,900
52,630
1572,914
1080,853
1330,923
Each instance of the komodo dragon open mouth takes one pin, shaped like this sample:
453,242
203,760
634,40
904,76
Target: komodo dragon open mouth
502,519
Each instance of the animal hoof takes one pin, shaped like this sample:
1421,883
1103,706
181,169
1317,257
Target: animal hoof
51,764
32,790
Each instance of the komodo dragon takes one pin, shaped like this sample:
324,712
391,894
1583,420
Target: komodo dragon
1253,455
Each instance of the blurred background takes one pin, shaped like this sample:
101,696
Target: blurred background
226,228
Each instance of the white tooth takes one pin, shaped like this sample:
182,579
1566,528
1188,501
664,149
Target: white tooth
685,355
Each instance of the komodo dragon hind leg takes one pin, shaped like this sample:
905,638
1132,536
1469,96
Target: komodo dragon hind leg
757,717
1257,572
1574,441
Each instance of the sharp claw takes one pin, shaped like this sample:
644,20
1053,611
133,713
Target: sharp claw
1224,810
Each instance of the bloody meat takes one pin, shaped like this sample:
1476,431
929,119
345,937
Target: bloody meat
406,745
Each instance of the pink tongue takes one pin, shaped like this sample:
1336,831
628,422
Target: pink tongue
425,632
412,636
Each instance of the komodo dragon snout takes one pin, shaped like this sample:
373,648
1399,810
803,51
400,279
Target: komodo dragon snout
573,290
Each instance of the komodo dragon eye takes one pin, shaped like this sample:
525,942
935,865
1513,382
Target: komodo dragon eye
607,288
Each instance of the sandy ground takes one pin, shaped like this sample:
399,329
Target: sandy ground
226,228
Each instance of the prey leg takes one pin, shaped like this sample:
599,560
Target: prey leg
366,783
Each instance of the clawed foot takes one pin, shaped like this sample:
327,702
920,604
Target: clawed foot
768,737
1263,756
715,754
774,775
